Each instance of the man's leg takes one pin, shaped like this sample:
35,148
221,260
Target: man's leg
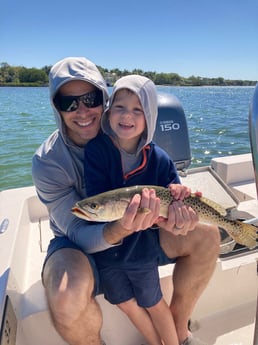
69,284
197,253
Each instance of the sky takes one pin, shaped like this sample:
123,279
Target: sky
205,38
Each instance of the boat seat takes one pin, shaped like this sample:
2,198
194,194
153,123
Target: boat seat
238,173
171,131
46,234
33,295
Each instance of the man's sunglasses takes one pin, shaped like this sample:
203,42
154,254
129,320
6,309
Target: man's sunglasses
71,103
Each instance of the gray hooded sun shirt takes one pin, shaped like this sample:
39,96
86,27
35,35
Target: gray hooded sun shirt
57,165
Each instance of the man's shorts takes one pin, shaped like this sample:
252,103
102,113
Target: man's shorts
63,242
121,285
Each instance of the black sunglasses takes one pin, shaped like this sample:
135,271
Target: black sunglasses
71,103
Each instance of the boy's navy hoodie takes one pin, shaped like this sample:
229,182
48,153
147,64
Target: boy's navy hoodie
104,171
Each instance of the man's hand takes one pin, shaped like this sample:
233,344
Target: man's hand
134,219
181,219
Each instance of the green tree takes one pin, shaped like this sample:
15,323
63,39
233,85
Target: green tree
32,75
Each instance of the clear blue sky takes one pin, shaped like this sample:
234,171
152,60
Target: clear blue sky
207,38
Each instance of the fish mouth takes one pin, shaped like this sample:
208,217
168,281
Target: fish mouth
79,213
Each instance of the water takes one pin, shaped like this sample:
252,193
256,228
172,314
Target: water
26,120
217,121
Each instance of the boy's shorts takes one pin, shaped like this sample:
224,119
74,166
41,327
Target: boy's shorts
63,242
121,285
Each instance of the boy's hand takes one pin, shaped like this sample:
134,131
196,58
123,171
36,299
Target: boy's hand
179,191
181,218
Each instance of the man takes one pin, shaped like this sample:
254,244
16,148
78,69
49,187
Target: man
79,97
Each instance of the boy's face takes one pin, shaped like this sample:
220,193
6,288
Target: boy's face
127,119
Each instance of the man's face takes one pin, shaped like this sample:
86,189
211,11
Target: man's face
83,123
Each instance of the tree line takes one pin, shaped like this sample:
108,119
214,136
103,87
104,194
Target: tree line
23,76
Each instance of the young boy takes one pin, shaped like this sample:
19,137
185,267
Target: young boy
125,156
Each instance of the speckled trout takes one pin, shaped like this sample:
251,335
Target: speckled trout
111,205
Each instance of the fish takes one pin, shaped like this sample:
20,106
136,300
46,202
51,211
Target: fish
111,205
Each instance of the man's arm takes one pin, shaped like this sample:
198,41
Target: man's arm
57,191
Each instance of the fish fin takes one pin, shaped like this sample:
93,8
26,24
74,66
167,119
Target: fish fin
221,210
248,235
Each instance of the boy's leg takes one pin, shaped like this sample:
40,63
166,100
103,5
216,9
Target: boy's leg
120,286
69,282
142,321
163,320
196,255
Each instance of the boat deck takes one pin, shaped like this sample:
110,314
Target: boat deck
222,321
224,315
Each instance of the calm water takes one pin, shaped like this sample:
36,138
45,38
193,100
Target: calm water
217,122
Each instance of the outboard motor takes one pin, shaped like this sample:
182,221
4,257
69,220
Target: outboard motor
171,130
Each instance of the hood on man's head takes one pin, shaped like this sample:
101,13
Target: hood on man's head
76,68
146,91
70,69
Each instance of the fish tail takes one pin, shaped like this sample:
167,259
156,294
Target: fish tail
247,235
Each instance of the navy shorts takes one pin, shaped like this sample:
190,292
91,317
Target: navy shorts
57,243
63,242
142,283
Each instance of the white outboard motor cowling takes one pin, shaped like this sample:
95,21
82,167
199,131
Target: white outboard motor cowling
171,130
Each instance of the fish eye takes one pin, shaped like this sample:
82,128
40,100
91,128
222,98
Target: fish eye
94,206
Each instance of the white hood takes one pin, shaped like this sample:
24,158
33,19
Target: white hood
146,91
